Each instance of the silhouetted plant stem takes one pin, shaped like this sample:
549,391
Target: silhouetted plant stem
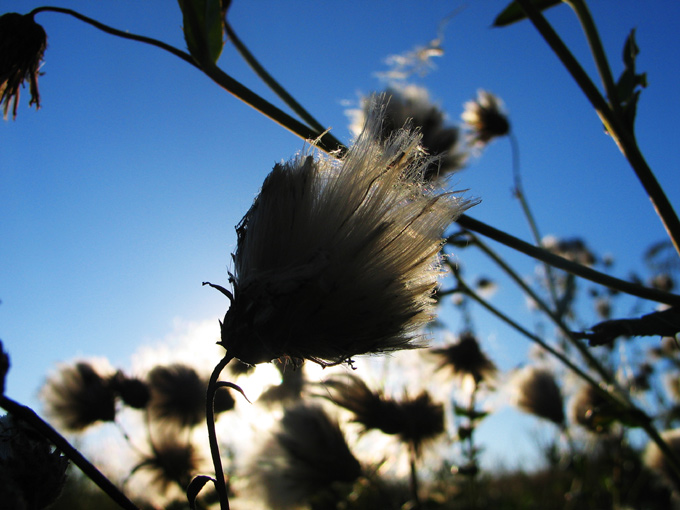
220,484
541,254
585,352
269,79
27,415
622,135
324,141
639,417
533,226
415,486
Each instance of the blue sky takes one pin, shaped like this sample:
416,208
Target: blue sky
120,196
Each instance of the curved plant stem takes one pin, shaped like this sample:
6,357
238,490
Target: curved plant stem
27,415
269,79
521,196
585,352
322,140
624,137
469,223
415,486
220,484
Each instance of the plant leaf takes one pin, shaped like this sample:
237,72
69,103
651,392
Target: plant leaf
627,90
514,12
202,20
195,487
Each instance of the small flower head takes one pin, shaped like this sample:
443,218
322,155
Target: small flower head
485,118
306,460
78,396
32,472
132,391
411,106
590,409
339,257
537,393
465,359
22,45
414,420
290,388
178,395
172,461
574,249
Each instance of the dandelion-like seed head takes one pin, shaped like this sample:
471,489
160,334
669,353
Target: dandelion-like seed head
339,257
22,46
177,395
172,462
306,460
537,393
466,359
592,410
78,396
411,106
485,118
414,420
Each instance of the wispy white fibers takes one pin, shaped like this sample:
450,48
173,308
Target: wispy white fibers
339,256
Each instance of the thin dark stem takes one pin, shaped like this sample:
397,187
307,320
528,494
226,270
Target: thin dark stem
415,486
323,140
533,226
269,79
658,296
29,416
622,135
220,484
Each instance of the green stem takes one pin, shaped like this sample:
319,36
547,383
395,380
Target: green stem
596,48
533,226
614,124
324,141
469,223
269,79
27,415
220,484
585,352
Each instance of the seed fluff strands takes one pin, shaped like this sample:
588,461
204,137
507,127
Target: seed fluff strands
339,257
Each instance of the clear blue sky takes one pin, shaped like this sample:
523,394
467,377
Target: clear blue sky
120,196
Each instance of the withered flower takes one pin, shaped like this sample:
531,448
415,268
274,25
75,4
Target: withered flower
466,359
485,118
178,396
411,106
537,393
590,409
306,460
339,257
414,420
172,461
78,396
132,391
22,45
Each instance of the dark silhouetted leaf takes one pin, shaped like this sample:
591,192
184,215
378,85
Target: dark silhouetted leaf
514,12
203,29
195,487
627,86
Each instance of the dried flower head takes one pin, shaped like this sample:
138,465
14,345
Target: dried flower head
132,391
590,409
22,45
178,395
574,249
172,461
78,396
32,472
306,460
465,359
537,393
485,118
411,106
339,257
414,420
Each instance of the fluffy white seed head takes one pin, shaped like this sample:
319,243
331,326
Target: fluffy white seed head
339,256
